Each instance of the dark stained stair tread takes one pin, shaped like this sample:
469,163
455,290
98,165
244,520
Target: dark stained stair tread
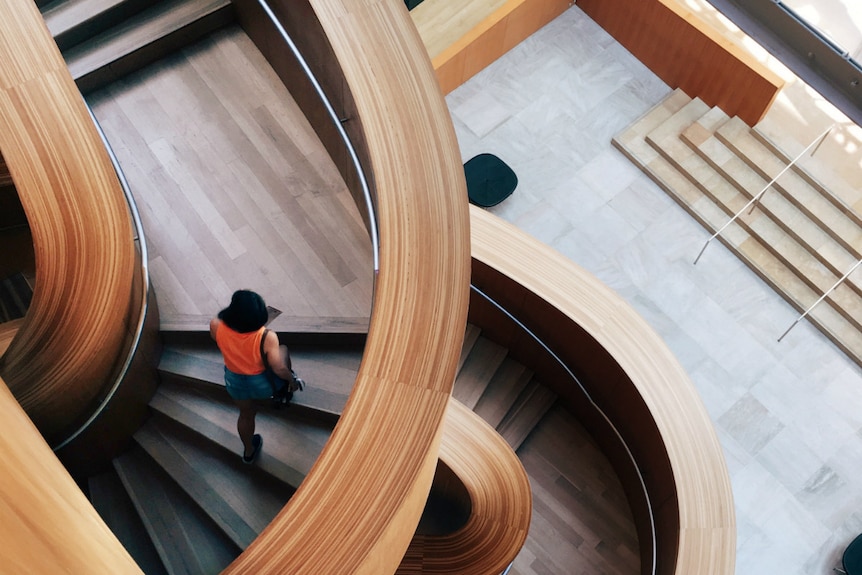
187,541
482,362
111,500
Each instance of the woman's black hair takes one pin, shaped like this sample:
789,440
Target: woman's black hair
246,312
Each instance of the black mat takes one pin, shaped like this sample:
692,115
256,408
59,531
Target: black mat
852,559
489,180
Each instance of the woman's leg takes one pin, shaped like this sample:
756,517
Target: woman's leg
245,424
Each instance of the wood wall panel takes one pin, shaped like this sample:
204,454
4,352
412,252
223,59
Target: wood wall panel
689,54
490,35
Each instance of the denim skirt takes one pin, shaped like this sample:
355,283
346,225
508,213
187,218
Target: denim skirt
240,386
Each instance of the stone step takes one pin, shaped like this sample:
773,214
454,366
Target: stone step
767,224
811,167
705,176
736,135
793,221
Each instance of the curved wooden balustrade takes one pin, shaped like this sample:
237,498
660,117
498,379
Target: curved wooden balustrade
500,502
635,379
80,226
357,509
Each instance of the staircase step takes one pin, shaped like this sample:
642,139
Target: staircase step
768,224
504,389
471,336
144,38
795,222
237,497
116,509
330,372
483,361
292,439
530,407
72,21
709,200
15,296
809,166
737,136
186,540
632,141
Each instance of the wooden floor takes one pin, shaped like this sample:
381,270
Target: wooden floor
235,191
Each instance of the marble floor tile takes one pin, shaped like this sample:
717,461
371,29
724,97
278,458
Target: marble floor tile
750,423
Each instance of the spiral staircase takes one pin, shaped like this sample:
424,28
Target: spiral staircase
183,503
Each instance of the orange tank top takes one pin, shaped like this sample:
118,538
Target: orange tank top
241,351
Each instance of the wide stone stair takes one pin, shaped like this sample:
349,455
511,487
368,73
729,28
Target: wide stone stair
801,236
181,500
103,40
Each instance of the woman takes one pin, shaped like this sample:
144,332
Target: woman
238,330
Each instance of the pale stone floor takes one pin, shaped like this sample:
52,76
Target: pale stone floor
788,414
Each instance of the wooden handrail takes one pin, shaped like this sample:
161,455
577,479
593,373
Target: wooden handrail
500,500
48,525
630,372
357,509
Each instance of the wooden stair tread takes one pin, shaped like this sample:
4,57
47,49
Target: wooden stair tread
292,443
737,136
184,537
114,506
235,496
70,21
471,336
328,371
473,378
137,32
308,326
504,389
532,404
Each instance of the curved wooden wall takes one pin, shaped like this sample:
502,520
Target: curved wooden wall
500,503
632,376
80,226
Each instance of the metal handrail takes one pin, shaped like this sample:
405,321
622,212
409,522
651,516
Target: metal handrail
145,279
586,394
820,299
336,120
753,201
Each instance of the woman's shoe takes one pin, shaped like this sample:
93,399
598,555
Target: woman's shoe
257,442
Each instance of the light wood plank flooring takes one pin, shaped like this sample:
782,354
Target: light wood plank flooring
236,191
